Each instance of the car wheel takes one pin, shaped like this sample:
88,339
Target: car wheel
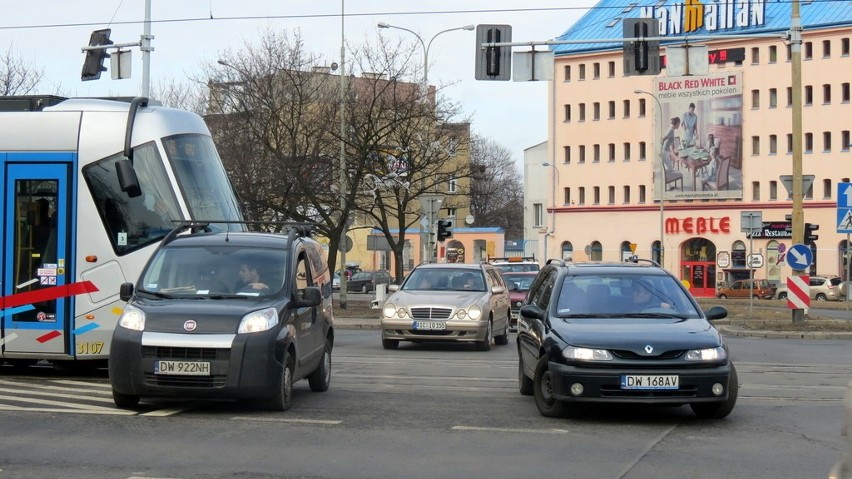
722,296
125,401
525,384
782,295
390,343
364,288
820,297
283,398
547,405
485,344
320,379
718,410
503,339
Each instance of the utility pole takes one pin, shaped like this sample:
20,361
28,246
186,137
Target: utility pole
798,219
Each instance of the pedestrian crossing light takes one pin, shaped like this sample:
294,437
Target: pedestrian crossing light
445,229
810,237
93,64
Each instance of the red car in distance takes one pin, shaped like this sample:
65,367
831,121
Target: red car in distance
518,283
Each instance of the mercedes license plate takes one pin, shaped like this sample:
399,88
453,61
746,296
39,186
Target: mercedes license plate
182,368
649,381
430,325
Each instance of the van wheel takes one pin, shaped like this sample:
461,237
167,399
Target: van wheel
320,379
283,398
125,401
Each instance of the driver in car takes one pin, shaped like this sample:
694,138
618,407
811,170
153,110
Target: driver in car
643,299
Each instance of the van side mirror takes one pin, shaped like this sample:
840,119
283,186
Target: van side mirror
307,297
125,291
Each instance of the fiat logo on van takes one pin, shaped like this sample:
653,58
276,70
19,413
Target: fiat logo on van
190,326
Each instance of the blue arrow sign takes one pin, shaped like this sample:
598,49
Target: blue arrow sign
844,208
799,257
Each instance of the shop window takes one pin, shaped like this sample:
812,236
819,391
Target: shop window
596,251
655,252
738,254
773,272
567,251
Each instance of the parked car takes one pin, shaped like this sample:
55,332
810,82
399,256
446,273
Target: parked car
743,288
621,333
225,315
335,282
366,281
518,284
448,302
820,289
515,263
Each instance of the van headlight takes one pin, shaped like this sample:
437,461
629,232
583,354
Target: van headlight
710,354
258,321
132,318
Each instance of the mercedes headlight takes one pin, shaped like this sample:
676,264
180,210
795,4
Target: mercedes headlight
474,312
132,318
710,354
586,354
258,321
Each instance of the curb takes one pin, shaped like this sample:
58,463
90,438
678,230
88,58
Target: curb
744,333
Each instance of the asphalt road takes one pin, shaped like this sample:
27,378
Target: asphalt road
432,412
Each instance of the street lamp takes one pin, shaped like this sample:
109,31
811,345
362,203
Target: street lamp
662,175
553,180
425,46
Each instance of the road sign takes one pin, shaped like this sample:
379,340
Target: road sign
798,292
751,221
755,261
807,182
844,208
800,257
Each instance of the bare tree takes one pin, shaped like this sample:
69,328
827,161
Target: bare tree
18,76
190,94
496,190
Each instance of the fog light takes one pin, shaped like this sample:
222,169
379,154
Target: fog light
576,389
718,389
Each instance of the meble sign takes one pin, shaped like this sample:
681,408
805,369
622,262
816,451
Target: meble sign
693,15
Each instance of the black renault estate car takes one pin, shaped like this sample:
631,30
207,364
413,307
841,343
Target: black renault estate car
621,333
225,315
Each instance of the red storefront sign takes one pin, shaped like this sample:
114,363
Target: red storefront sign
698,225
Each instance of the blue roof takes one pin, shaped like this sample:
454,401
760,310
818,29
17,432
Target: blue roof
456,229
604,20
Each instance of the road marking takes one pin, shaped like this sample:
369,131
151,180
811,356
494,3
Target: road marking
510,430
102,412
33,400
323,422
31,393
171,411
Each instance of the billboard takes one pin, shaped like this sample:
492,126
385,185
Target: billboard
700,127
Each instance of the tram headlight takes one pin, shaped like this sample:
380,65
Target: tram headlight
132,318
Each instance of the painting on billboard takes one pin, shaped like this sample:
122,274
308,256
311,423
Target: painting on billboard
701,144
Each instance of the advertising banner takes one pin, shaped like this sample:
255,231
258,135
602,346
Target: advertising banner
700,127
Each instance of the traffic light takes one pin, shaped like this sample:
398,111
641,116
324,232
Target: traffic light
445,229
641,57
93,64
810,228
493,63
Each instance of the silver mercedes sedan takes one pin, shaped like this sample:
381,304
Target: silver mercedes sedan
448,302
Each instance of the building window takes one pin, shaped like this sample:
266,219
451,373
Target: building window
808,51
738,254
582,154
627,107
773,98
642,151
755,145
566,71
773,144
826,48
789,96
566,152
611,110
809,195
826,94
809,96
755,99
567,251
597,251
596,70
538,215
566,196
611,148
789,143
844,92
789,52
826,189
596,149
826,141
641,108
641,193
452,184
809,143
844,47
451,212
597,193
755,191
626,194
844,140
755,56
582,71
582,112
611,69
582,199
567,113
611,195
773,54
596,106
626,151
773,190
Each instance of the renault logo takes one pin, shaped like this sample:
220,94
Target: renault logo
648,349
190,326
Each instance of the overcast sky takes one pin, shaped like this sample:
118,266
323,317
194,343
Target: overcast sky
49,33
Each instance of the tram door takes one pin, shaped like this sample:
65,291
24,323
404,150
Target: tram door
36,252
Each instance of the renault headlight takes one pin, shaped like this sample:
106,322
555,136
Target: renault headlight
586,354
258,321
710,354
132,318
